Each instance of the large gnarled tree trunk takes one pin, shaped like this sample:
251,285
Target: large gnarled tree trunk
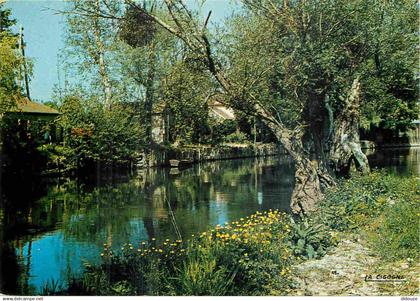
346,148
310,175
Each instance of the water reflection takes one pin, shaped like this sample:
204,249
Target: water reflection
52,236
401,161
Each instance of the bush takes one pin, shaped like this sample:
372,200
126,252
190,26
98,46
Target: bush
236,137
248,257
201,276
310,239
93,133
220,130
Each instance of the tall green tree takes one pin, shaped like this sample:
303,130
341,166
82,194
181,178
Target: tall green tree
9,60
160,66
140,33
390,76
91,46
95,134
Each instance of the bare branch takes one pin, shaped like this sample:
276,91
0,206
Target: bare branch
207,20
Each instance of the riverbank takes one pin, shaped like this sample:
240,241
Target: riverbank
203,153
269,253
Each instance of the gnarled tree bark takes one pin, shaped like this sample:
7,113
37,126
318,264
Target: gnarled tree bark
346,148
310,175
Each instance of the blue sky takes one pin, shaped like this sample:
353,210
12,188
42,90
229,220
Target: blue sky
43,31
44,36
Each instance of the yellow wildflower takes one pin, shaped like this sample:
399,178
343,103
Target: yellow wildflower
283,272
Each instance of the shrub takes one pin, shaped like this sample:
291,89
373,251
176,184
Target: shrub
236,137
310,239
93,133
200,276
249,257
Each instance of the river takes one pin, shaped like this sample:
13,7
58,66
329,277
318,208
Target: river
50,229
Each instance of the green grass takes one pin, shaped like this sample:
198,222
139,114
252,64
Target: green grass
383,207
395,234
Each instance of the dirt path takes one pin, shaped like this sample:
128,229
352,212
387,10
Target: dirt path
342,272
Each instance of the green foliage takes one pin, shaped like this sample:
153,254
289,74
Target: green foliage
9,66
10,61
91,48
287,62
137,28
220,130
24,143
385,205
354,201
94,133
6,22
395,234
51,288
390,85
310,239
236,137
56,155
201,276
289,57
185,96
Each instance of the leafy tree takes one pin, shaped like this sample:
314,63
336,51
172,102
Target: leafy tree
91,47
6,22
140,33
390,90
17,142
304,59
186,91
9,61
160,68
9,66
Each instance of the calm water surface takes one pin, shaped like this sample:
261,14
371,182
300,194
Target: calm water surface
49,230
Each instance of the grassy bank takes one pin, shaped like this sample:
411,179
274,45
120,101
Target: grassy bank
383,208
255,255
